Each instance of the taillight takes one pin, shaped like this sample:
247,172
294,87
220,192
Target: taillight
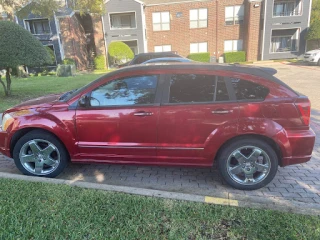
304,106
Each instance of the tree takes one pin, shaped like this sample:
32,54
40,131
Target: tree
22,8
314,30
19,47
120,51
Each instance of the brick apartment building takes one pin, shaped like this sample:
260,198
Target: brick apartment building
264,29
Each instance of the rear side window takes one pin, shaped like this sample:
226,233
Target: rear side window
142,59
191,88
246,90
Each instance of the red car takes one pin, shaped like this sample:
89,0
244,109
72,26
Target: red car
243,118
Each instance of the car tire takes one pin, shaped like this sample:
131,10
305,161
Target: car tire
39,153
319,62
248,163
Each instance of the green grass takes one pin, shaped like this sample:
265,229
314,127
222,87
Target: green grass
27,88
45,211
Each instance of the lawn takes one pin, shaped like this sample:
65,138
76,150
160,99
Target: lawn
45,211
32,87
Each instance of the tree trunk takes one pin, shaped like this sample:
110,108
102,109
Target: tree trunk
4,87
8,78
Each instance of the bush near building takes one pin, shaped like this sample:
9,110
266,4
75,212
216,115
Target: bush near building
199,57
232,57
119,52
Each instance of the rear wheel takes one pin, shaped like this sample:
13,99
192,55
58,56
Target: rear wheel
248,164
39,153
319,62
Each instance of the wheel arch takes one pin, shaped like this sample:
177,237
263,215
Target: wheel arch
269,140
22,132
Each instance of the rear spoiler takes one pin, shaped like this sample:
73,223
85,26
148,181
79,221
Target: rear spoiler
271,71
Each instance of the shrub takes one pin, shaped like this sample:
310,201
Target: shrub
200,57
66,70
232,57
100,62
51,53
120,52
68,61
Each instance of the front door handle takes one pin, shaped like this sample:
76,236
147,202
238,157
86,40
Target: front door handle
142,114
222,111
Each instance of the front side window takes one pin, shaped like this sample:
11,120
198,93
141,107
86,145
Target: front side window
233,45
199,18
246,90
234,15
198,47
191,88
137,90
161,21
162,48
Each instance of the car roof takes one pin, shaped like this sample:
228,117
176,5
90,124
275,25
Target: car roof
157,53
168,59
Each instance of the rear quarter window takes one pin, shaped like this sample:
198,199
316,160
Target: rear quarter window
246,90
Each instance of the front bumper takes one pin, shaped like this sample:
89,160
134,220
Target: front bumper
310,59
4,143
299,147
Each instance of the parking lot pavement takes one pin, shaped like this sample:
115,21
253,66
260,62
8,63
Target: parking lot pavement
300,182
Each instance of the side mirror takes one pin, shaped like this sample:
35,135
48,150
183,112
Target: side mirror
83,101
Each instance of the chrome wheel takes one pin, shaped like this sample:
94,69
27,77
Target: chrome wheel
39,157
248,165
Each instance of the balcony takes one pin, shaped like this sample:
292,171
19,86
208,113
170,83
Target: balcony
286,8
119,21
38,26
286,40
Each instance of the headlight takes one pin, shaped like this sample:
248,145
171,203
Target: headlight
6,121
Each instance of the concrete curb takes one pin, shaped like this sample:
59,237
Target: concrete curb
232,199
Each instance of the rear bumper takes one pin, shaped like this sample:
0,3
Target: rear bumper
298,147
4,143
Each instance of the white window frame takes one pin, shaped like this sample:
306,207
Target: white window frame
198,47
161,23
27,25
199,18
122,13
235,18
234,43
163,48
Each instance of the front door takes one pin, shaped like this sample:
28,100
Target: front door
120,121
196,107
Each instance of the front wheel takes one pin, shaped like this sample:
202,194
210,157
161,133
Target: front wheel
248,164
39,153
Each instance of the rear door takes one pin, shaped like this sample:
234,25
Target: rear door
193,107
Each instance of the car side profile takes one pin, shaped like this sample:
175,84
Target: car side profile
189,114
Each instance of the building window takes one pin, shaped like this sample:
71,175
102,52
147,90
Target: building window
199,18
39,26
163,48
283,8
233,45
285,40
198,47
122,20
234,15
161,21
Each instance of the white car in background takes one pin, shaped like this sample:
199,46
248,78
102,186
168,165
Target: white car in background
313,57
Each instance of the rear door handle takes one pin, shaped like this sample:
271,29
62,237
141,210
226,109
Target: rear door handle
222,111
142,114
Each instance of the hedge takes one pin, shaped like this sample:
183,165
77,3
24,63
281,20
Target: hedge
200,57
100,62
119,51
68,61
232,57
